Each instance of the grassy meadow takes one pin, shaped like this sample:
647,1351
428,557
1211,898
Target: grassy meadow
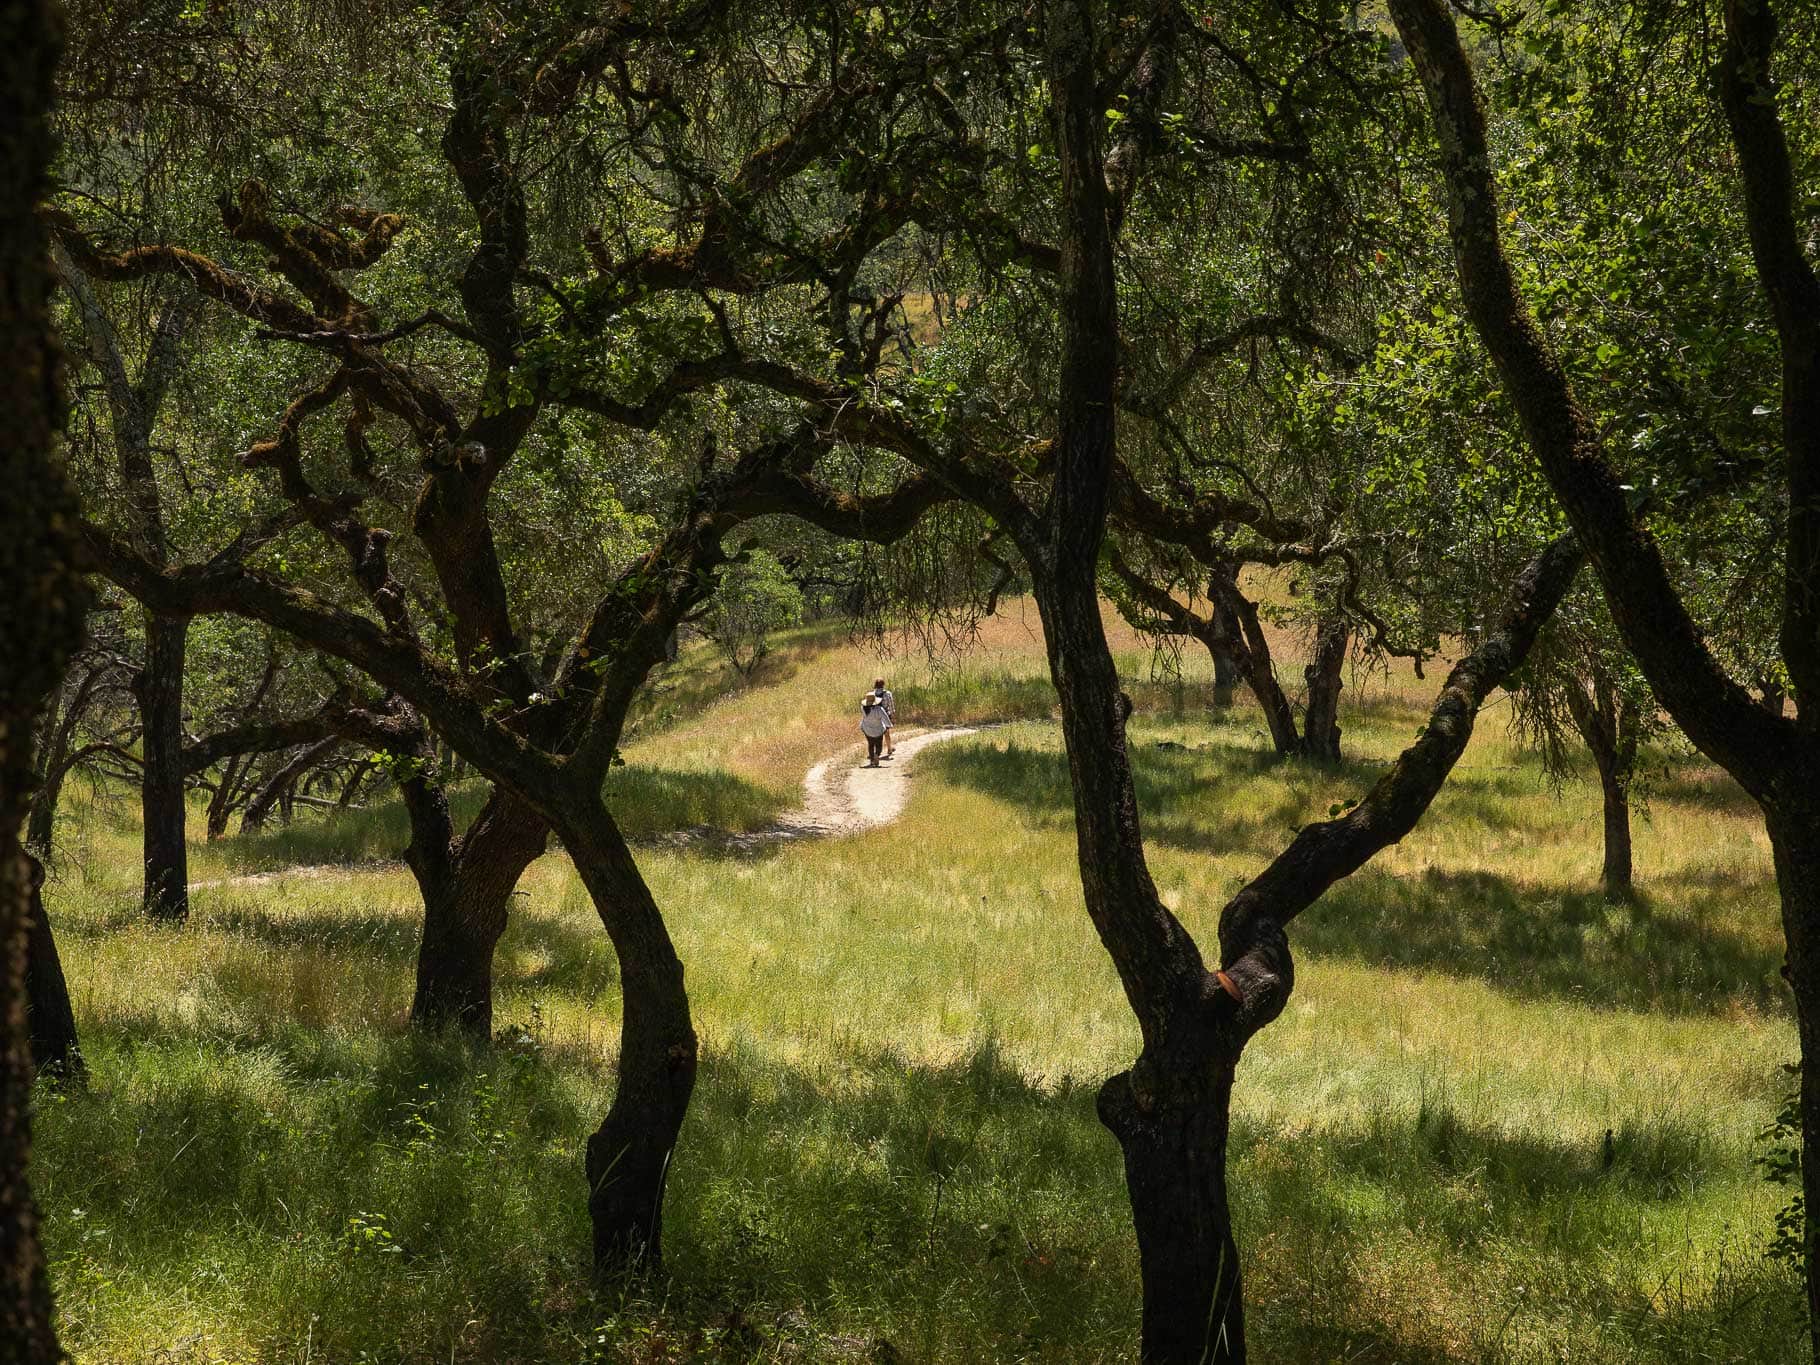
1501,1119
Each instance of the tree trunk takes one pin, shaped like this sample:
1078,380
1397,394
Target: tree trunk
1251,649
1794,836
1226,675
160,689
1175,1175
41,823
51,1020
629,1155
227,794
1325,674
43,601
351,787
1608,725
1616,875
467,886
259,809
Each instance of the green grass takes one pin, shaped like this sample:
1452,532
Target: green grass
893,1139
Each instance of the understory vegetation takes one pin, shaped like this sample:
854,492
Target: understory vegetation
1503,1119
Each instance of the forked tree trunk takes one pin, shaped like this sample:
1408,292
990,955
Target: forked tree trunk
160,690
467,886
1325,674
628,1157
259,809
49,1016
226,795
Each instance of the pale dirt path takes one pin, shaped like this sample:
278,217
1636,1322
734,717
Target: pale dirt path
841,796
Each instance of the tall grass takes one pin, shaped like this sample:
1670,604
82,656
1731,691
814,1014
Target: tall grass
1500,1119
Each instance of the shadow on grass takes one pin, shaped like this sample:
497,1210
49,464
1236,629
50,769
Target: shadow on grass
1546,942
956,1211
1531,940
1186,796
645,800
330,929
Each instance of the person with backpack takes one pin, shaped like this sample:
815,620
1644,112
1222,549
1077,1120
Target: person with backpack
872,723
889,702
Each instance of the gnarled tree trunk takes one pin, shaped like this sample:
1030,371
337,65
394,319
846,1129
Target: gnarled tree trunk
628,1157
1325,676
259,809
467,886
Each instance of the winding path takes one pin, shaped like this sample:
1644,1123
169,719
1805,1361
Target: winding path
841,796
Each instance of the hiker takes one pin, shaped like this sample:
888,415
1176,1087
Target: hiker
872,725
889,702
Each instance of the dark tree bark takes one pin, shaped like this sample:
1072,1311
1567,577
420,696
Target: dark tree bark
52,1020
466,881
43,602
1773,758
226,797
160,690
1251,650
1608,725
1325,677
1616,876
274,788
1166,1112
1170,1111
629,1154
1226,676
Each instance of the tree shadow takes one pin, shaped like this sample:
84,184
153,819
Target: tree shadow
646,800
1546,942
374,934
1186,796
1538,941
960,1209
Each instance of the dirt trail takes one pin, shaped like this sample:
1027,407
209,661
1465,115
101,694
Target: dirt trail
841,796
844,796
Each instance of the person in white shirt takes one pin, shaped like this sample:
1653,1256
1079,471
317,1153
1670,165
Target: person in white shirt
872,726
889,702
